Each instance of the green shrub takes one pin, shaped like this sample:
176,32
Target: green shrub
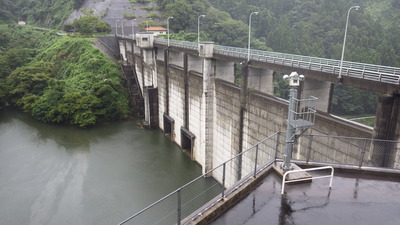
153,15
129,16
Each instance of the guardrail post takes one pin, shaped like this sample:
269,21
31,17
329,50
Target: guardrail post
255,162
308,155
179,206
223,181
277,145
362,154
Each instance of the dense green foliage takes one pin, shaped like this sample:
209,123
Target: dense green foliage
305,27
88,24
60,79
43,13
18,46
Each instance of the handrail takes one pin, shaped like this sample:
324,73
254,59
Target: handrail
304,179
379,73
255,159
384,74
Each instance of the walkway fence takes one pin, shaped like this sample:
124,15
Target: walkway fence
182,205
379,73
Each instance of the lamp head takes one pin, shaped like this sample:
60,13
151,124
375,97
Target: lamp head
256,13
357,7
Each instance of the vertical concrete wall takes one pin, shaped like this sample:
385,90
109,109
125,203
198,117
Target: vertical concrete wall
148,67
162,90
195,63
177,100
265,116
225,71
176,58
226,122
386,127
139,71
208,113
136,48
320,89
214,102
195,116
122,49
261,80
129,46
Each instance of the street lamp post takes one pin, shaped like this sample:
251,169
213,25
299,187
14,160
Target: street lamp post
198,31
168,29
344,39
248,54
147,24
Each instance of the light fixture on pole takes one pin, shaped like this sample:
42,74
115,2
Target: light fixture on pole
147,24
198,31
344,39
168,29
248,53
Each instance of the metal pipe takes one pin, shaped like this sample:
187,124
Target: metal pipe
170,17
198,31
344,39
248,53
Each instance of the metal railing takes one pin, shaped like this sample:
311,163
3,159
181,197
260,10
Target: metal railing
180,206
284,181
304,112
385,74
190,200
379,73
176,43
351,151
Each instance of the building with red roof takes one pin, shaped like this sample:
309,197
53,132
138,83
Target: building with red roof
156,30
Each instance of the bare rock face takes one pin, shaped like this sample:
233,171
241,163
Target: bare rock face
112,12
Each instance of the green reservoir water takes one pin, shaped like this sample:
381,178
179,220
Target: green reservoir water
65,175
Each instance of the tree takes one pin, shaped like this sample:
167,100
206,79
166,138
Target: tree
230,32
27,80
88,23
183,14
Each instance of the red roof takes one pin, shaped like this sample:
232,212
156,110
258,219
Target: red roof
156,29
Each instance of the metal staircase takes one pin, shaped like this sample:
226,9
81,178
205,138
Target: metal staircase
135,94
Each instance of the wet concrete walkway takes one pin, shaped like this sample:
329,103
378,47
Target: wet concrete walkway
356,200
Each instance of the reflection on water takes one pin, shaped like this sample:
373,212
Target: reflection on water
66,175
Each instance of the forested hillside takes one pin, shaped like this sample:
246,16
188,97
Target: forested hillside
44,13
59,80
307,27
